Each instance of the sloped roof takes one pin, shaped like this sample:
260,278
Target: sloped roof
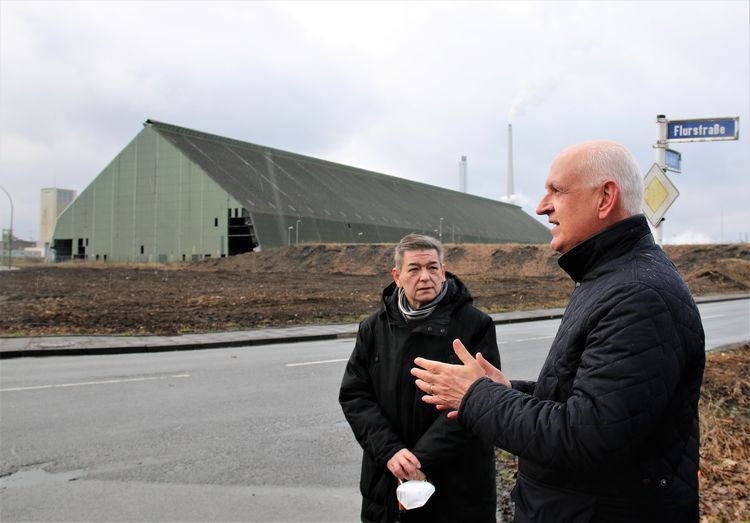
272,181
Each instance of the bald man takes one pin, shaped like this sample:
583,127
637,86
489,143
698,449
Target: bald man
609,430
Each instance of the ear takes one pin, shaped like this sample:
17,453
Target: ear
609,197
443,271
396,275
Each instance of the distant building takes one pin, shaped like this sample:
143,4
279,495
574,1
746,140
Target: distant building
52,203
18,248
175,194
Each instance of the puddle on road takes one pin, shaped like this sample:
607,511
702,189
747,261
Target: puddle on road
31,477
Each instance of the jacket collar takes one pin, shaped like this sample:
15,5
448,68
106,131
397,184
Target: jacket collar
607,244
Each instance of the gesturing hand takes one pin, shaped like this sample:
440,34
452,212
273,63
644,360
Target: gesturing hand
446,384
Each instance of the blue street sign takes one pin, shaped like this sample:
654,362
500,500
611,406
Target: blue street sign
673,160
703,130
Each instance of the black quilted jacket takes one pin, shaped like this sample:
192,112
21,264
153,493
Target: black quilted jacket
609,431
386,413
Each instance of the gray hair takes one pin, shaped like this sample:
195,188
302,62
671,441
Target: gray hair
605,160
416,242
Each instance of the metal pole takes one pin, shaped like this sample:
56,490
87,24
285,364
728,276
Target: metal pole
10,233
289,235
441,229
296,238
661,161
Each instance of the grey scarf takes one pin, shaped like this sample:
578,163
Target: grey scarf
410,314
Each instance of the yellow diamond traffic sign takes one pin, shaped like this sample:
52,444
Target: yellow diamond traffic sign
658,195
654,194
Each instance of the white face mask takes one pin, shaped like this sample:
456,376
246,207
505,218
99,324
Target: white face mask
414,494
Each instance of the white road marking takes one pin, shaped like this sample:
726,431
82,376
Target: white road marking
100,382
315,362
526,339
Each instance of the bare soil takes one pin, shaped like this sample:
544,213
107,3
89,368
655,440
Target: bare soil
298,284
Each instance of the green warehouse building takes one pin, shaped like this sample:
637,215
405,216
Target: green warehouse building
175,194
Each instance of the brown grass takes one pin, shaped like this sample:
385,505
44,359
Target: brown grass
725,435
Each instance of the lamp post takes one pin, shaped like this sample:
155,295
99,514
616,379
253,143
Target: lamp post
441,229
10,232
289,235
296,238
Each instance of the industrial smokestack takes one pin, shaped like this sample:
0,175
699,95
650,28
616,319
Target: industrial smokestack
510,191
462,174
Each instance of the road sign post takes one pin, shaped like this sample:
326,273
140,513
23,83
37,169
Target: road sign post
659,192
661,161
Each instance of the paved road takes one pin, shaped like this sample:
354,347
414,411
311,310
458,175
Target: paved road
239,434
219,435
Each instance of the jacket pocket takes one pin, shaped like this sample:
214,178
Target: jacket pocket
376,485
543,503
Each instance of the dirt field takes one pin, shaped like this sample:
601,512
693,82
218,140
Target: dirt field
298,284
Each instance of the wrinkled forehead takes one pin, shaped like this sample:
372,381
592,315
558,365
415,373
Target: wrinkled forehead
421,257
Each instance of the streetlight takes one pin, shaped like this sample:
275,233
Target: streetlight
441,228
289,234
10,233
296,239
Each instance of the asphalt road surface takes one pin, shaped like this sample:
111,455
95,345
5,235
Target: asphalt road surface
242,434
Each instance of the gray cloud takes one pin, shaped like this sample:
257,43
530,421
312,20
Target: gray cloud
401,88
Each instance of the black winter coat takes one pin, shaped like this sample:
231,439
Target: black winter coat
609,431
384,408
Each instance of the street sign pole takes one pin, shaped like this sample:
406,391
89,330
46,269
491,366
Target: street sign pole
661,161
660,193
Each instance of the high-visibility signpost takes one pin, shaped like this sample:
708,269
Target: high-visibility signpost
659,191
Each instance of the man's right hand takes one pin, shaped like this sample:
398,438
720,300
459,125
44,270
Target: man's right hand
405,466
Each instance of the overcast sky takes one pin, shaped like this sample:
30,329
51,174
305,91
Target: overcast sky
401,88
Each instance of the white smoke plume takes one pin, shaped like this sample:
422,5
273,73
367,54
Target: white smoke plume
534,90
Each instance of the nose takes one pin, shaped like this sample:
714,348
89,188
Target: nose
545,206
424,274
